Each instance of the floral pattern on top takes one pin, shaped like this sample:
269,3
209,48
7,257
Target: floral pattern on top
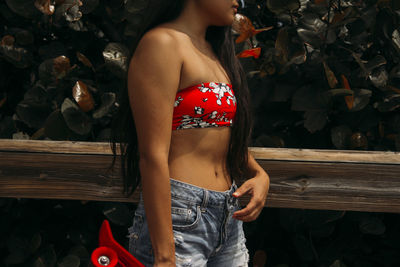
204,105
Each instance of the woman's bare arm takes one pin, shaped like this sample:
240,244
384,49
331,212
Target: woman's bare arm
153,80
254,166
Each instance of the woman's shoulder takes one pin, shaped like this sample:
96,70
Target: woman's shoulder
161,40
158,44
164,33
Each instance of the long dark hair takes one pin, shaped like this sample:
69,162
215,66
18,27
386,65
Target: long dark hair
123,129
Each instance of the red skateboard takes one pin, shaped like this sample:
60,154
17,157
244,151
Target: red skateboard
110,253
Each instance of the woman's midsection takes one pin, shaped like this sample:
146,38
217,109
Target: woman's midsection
198,157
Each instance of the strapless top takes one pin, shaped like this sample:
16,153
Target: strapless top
208,104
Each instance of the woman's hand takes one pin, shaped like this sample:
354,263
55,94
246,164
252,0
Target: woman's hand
257,187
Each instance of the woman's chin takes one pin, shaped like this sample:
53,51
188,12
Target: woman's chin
226,22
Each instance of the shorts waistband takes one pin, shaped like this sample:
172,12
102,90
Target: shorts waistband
196,194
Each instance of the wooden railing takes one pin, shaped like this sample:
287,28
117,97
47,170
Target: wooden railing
300,178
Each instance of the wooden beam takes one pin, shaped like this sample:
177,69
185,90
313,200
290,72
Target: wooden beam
300,178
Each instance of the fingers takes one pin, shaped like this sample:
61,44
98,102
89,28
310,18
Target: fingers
246,211
253,187
249,217
251,211
243,189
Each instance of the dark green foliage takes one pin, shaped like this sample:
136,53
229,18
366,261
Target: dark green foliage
328,74
297,237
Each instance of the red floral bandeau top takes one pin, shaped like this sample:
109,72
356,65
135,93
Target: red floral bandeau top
209,104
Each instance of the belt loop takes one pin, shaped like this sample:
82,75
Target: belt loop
205,200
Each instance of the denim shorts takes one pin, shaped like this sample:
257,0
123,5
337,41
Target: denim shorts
205,233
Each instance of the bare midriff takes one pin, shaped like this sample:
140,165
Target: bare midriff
198,156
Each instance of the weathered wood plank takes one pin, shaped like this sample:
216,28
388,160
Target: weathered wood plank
287,154
300,178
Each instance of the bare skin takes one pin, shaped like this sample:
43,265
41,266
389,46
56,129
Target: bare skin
169,58
197,156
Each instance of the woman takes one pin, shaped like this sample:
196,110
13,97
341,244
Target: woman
184,73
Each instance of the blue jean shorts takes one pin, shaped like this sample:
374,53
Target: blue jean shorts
205,233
